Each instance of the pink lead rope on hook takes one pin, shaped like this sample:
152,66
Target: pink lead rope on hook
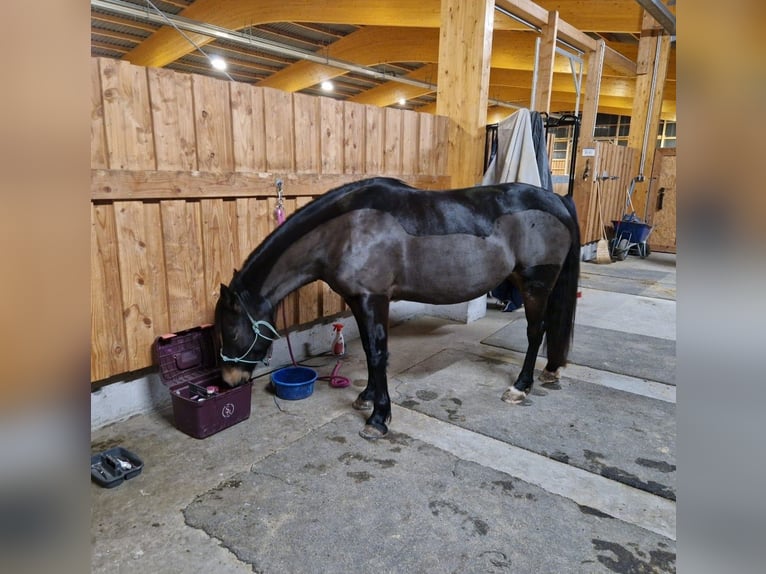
279,214
339,347
279,210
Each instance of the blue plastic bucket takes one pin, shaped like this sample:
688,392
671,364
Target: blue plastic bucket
293,383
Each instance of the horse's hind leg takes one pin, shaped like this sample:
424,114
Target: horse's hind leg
536,285
371,314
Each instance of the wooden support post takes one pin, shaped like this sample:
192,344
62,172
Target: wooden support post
544,86
644,122
465,47
592,90
582,187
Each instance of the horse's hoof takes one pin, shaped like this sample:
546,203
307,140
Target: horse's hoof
514,396
370,432
362,405
547,377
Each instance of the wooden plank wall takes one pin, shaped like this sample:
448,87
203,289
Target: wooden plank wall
612,160
183,189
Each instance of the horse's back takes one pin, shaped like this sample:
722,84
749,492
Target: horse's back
473,210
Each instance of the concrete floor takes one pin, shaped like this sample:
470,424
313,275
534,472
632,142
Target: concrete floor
463,483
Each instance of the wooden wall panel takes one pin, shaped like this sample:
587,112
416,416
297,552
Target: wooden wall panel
354,123
375,119
613,161
663,220
441,149
309,304
98,159
182,191
410,142
307,134
136,302
108,347
220,247
254,222
248,132
155,260
280,146
212,116
426,145
332,303
184,263
127,115
392,142
175,140
331,142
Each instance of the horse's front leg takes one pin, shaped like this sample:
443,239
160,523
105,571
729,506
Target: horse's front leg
371,314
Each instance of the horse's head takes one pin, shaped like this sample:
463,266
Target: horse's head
245,333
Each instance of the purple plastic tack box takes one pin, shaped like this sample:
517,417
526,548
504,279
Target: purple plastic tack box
202,403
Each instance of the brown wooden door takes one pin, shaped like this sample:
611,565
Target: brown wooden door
662,201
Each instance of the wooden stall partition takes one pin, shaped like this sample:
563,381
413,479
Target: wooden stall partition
183,188
354,125
248,119
127,115
108,338
331,149
662,201
175,137
617,164
308,155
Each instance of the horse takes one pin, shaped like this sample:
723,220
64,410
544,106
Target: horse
377,240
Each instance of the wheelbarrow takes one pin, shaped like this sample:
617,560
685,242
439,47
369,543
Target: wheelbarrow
630,232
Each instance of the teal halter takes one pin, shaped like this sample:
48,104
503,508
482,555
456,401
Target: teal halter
256,325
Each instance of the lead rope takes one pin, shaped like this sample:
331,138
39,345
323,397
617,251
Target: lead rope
334,379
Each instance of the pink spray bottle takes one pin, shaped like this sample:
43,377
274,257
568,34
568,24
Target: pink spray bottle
338,344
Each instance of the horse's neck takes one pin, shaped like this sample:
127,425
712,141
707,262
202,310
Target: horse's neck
276,274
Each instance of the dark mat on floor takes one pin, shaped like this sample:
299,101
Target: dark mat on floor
629,285
617,270
332,502
640,356
619,435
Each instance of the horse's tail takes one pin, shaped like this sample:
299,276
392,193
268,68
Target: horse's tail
560,311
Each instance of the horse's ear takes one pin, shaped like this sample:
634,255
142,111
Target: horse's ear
234,274
225,294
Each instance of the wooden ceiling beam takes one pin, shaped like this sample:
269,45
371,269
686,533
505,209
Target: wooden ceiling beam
167,45
390,92
367,46
538,15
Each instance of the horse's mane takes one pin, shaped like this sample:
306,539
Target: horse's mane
324,208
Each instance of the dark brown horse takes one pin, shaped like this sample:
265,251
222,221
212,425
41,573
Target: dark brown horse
379,240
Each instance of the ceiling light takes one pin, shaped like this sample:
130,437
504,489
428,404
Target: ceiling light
218,63
402,101
327,86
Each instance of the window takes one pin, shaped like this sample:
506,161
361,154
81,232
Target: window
666,135
612,128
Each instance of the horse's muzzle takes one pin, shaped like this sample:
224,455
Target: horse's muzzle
234,375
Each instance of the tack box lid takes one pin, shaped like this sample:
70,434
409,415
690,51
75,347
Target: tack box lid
187,356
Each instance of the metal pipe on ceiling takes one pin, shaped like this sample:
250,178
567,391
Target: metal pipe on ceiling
536,28
660,12
249,41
